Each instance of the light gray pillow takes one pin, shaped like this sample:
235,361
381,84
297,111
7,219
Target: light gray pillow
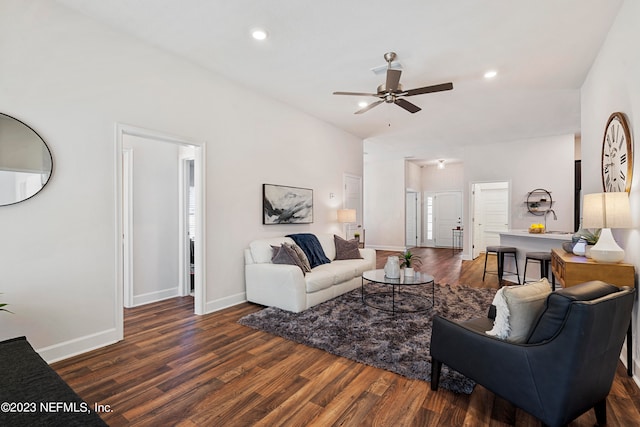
517,309
306,266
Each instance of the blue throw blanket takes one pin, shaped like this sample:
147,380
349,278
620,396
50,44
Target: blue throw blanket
311,247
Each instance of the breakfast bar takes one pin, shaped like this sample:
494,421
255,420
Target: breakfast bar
531,242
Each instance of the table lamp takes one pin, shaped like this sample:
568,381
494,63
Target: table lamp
606,211
346,216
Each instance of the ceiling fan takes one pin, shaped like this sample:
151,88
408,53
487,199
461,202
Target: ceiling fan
392,93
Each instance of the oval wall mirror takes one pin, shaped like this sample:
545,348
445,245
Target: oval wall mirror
25,161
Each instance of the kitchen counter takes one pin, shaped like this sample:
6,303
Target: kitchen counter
549,235
525,242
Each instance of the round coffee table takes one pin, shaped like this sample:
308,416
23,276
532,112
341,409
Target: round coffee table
407,293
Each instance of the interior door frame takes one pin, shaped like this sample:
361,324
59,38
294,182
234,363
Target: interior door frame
184,281
412,217
127,226
124,266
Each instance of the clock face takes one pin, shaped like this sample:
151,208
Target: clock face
617,155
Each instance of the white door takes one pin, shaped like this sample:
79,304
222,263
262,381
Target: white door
353,200
448,215
411,222
491,214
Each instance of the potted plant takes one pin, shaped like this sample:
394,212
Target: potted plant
590,238
409,259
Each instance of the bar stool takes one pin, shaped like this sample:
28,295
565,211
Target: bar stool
544,258
500,252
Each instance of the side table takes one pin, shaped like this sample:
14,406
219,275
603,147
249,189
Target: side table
570,270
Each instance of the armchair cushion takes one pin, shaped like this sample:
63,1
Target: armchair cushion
517,308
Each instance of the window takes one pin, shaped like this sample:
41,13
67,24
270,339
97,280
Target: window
429,217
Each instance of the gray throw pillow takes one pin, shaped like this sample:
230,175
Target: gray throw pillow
285,255
346,249
306,266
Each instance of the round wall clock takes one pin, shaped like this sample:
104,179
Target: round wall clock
617,155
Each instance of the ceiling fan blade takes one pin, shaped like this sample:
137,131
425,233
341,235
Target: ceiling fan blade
412,108
393,80
355,93
429,89
369,107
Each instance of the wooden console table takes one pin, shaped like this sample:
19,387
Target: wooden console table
571,270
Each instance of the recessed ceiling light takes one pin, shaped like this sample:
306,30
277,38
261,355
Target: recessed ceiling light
362,104
490,74
259,34
441,164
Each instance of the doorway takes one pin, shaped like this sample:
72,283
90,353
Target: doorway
169,220
490,207
352,199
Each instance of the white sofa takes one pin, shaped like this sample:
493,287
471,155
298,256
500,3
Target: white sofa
284,286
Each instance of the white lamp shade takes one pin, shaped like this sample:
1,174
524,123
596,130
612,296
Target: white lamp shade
606,210
346,215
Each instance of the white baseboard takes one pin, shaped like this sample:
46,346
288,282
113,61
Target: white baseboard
67,349
636,365
466,256
155,296
226,302
387,248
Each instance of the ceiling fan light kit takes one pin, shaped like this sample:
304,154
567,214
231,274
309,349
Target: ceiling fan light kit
391,92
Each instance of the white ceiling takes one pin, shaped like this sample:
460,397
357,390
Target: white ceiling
541,49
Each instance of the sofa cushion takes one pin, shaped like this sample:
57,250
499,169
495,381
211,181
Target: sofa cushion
310,244
261,250
517,309
358,266
346,249
328,245
342,271
319,279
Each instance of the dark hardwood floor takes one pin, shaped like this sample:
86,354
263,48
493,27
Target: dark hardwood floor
175,368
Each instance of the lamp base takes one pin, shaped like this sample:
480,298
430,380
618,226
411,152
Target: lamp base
607,250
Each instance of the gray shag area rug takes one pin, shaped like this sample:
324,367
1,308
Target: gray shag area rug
346,327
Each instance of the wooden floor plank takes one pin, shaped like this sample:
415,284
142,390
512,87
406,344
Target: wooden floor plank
176,368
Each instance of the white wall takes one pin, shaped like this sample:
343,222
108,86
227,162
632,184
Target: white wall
528,164
613,85
384,204
451,178
72,80
155,219
413,181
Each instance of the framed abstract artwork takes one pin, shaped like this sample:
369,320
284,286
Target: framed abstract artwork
286,205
